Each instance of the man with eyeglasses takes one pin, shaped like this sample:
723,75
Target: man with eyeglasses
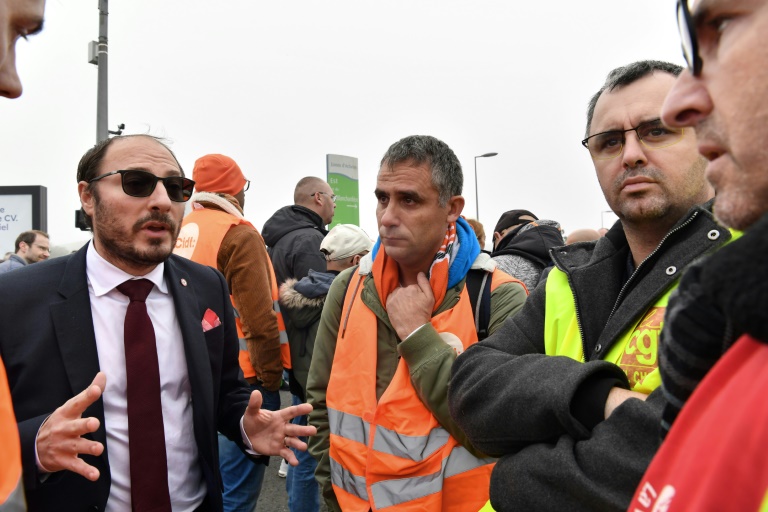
216,233
576,432
31,247
715,347
131,367
293,236
294,233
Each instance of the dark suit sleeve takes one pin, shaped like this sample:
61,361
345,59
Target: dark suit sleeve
28,430
506,393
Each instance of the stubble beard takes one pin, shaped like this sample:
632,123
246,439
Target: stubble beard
118,244
643,206
739,209
663,204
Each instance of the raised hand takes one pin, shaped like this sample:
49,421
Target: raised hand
410,307
272,433
60,441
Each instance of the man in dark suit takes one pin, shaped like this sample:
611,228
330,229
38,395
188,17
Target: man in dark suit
62,333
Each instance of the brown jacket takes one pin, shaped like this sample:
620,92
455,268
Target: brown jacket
244,261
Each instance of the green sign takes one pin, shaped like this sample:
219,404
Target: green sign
342,177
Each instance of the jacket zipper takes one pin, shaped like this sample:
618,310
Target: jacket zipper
623,288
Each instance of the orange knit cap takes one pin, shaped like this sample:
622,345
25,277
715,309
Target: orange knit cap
218,173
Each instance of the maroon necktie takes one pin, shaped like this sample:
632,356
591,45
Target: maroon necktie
146,439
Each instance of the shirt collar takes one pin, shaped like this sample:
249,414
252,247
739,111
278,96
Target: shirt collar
105,277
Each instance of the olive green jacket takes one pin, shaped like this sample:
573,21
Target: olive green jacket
429,358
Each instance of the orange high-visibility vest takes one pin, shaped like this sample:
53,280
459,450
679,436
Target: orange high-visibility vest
393,454
202,232
11,491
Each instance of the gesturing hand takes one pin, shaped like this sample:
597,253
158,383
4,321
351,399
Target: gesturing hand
60,441
272,433
410,307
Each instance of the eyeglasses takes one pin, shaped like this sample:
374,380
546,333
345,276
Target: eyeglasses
688,37
332,196
247,185
142,183
653,135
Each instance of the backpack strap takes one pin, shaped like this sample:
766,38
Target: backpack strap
479,291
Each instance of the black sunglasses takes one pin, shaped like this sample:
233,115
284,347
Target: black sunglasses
142,184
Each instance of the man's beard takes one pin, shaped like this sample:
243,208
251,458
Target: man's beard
654,207
119,244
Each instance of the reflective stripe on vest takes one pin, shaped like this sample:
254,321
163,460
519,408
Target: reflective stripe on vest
285,348
392,452
11,491
387,493
214,225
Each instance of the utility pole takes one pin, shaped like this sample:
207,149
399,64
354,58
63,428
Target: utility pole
98,54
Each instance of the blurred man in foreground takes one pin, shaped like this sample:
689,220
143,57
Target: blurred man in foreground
18,19
715,344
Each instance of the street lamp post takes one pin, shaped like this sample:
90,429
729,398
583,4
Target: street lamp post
102,99
477,200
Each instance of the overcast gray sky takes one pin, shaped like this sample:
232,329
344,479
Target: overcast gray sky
278,85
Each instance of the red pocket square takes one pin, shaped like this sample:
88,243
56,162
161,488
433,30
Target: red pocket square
210,320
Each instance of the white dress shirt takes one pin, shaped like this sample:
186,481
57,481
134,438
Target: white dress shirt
185,480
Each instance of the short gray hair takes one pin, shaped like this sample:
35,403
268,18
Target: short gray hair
447,176
625,75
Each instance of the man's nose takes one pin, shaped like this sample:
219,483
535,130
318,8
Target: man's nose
10,83
633,154
687,103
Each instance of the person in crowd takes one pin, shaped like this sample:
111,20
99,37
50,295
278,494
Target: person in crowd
215,233
715,343
18,19
302,303
96,431
521,244
582,235
388,335
479,230
577,432
293,234
31,247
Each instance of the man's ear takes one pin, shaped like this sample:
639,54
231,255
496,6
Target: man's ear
356,259
86,198
455,207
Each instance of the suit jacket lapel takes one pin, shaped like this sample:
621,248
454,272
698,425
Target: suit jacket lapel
73,326
195,348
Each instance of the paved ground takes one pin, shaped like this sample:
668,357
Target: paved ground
273,495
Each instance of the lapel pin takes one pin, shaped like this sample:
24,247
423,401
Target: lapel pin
183,282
